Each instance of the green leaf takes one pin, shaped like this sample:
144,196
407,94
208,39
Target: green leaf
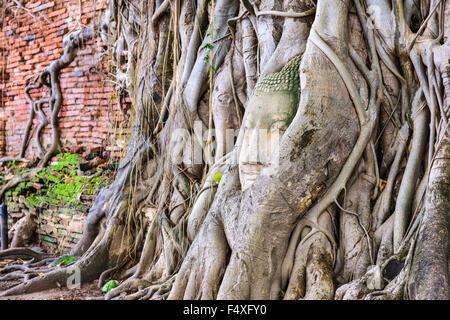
53,178
65,260
208,46
111,284
218,177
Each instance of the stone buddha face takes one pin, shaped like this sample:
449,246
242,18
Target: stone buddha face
269,115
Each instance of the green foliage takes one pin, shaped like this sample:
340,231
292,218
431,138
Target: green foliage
60,183
111,284
218,177
64,261
208,46
12,163
206,58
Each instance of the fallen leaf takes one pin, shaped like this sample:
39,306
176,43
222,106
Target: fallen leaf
382,184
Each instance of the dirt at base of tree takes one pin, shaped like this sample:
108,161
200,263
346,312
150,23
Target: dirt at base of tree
88,291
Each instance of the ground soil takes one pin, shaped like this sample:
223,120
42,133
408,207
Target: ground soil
88,291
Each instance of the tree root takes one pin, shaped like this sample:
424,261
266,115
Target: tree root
195,86
141,289
363,139
406,192
23,253
257,238
129,285
366,131
87,268
18,179
209,247
22,271
160,11
312,273
286,14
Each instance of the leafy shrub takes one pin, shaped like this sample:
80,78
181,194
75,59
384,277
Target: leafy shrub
110,285
60,183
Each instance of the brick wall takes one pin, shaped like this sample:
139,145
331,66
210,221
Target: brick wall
30,40
3,80
59,228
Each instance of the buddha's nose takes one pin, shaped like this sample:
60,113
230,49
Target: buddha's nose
257,145
253,147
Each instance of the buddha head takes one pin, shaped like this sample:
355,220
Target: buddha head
268,115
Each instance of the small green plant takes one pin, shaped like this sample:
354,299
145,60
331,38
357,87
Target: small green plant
206,58
111,284
60,184
218,177
208,46
64,261
12,163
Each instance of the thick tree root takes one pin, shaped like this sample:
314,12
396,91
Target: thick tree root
23,253
22,271
211,249
283,237
312,273
84,270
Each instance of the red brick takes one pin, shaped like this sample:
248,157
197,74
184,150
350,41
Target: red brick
57,13
85,96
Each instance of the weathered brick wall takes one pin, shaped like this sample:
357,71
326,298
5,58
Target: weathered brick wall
30,44
30,39
59,228
3,79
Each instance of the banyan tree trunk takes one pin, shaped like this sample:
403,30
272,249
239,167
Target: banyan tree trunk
285,150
